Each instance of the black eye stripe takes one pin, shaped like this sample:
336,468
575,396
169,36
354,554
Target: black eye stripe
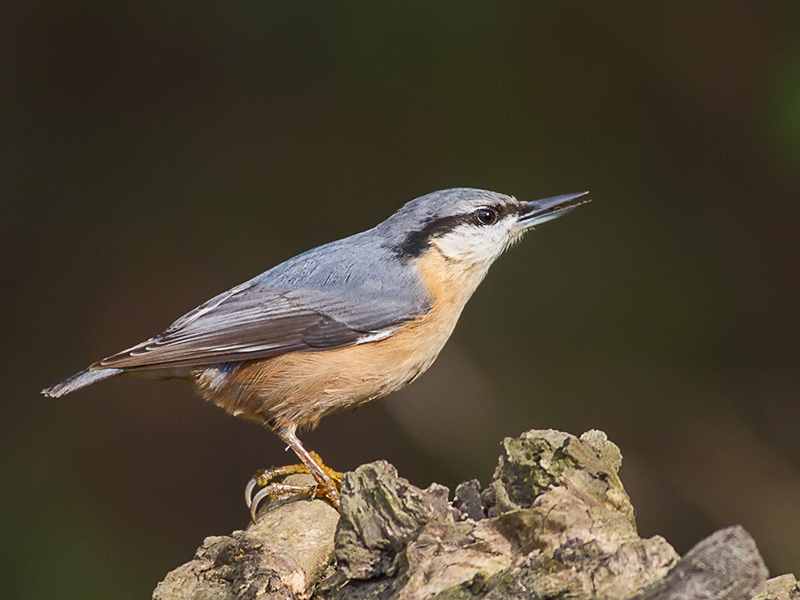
416,242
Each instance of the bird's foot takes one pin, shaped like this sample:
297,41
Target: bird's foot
326,487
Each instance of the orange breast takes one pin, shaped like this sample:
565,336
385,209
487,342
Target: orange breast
299,388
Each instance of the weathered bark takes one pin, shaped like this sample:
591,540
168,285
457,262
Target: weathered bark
555,521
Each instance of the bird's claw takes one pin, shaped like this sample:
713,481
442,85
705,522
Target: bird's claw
276,490
271,489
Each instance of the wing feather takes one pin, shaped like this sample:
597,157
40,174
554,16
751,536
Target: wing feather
248,323
325,298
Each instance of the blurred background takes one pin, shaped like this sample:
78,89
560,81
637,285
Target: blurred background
155,154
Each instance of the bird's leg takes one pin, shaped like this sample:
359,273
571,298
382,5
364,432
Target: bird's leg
327,480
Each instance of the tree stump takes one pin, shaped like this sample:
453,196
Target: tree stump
555,522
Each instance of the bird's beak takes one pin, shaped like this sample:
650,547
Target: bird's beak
537,212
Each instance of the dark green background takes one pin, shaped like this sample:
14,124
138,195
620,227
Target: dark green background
155,154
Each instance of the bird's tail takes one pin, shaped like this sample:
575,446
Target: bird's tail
78,381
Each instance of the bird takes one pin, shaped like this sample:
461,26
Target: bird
337,326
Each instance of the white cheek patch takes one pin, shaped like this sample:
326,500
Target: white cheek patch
478,245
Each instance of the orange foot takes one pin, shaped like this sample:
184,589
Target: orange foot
325,487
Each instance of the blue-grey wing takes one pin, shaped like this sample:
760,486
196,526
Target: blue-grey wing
284,310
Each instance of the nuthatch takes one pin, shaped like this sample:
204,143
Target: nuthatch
337,326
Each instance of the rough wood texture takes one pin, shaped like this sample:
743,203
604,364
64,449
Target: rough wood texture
283,555
724,565
555,522
784,587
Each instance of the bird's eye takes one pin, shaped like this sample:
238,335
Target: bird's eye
485,216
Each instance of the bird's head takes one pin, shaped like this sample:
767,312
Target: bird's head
470,227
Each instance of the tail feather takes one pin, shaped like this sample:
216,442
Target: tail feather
78,381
